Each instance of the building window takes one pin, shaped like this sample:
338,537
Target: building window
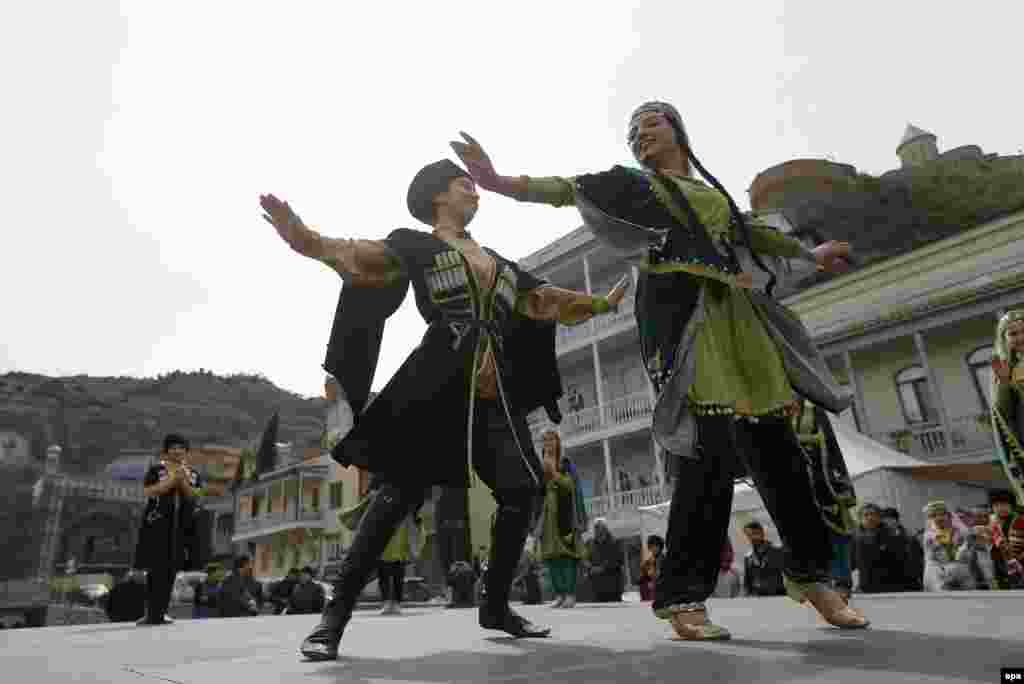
916,396
980,363
337,491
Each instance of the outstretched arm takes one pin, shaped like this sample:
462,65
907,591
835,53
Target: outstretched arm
831,256
361,262
568,307
552,190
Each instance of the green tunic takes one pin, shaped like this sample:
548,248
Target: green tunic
739,367
1007,424
555,541
398,549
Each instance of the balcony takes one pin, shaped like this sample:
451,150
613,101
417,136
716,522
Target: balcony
280,500
971,436
277,521
625,414
599,506
569,337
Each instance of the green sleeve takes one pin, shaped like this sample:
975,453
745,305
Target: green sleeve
564,483
767,240
553,190
1006,403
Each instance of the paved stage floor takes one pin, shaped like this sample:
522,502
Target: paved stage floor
956,637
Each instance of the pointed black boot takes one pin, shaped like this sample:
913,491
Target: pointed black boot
389,507
507,538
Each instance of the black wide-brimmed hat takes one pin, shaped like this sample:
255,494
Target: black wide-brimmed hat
432,180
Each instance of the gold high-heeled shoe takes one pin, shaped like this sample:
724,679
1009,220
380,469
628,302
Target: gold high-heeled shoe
829,604
691,623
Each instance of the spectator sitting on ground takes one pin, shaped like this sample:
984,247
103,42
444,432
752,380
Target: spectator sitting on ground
281,592
240,594
307,596
126,602
204,605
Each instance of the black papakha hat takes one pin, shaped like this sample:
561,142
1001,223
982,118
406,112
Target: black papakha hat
173,440
432,180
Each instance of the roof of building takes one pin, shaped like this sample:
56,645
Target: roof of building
913,133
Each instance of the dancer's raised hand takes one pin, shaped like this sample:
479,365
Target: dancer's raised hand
616,294
477,162
289,226
832,256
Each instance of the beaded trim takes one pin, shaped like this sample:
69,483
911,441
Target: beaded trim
1015,455
688,608
768,415
667,612
701,410
694,265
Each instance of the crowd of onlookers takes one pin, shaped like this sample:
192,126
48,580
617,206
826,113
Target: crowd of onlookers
959,549
226,594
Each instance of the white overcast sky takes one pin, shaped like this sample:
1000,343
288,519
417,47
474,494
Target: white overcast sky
136,138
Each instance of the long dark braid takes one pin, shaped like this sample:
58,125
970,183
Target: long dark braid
737,217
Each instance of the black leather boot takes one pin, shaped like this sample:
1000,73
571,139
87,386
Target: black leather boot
389,507
507,537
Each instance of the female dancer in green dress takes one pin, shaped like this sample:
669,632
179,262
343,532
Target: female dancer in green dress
1008,397
727,362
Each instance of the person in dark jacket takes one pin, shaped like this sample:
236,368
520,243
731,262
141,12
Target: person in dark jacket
307,596
169,540
606,561
914,568
763,564
240,594
281,593
879,554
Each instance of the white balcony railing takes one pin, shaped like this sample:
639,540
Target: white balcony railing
633,499
970,435
618,412
568,336
612,320
266,521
